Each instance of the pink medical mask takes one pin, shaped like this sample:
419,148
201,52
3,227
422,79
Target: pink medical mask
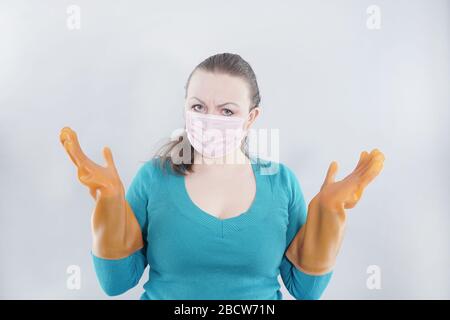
214,136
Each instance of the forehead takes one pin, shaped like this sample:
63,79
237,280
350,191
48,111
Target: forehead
218,87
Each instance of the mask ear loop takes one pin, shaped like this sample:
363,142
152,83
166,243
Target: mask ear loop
245,135
246,130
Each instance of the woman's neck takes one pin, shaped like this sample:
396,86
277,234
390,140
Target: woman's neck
228,163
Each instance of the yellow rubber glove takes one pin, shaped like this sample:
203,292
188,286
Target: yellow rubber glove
315,247
116,232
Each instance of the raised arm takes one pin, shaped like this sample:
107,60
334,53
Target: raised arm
316,245
115,230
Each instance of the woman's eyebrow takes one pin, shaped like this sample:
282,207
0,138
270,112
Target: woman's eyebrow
220,105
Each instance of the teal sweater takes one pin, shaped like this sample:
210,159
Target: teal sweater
194,255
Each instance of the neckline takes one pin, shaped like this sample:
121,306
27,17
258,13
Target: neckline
188,208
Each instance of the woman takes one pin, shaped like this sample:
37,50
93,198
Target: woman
209,219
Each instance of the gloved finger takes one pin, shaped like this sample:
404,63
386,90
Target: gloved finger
331,174
69,140
369,159
107,154
373,169
362,159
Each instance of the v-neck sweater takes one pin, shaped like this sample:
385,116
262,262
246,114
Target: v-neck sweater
194,255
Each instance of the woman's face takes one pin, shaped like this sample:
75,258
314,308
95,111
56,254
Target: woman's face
220,94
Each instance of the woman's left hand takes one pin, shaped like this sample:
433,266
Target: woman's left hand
316,245
344,194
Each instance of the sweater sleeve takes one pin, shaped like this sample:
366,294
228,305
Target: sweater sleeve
117,276
300,285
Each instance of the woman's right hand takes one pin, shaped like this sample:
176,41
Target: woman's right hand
116,231
104,179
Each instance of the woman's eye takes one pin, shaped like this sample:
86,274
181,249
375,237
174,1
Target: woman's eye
197,107
227,112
